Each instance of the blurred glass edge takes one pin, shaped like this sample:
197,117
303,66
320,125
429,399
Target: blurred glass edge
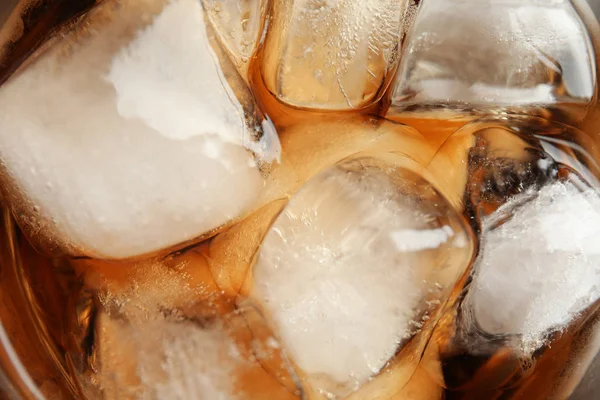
594,3
6,8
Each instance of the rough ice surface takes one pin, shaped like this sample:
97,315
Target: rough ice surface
499,53
180,360
331,54
126,136
197,364
346,270
541,267
165,330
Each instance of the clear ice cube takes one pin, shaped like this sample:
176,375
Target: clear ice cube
496,53
238,25
356,265
543,252
133,132
331,54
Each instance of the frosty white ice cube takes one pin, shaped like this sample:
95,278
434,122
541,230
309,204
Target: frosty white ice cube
545,256
355,265
130,134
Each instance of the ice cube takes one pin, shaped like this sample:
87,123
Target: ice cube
179,360
541,268
331,54
503,53
203,344
131,134
238,25
355,265
183,360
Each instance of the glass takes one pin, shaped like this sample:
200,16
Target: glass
312,199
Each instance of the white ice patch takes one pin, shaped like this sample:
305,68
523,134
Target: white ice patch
155,83
198,364
541,268
416,240
130,142
342,295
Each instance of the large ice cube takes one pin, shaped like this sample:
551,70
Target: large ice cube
540,268
203,343
501,53
189,359
355,265
331,54
131,134
177,361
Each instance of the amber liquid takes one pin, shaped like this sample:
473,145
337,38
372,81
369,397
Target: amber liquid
57,312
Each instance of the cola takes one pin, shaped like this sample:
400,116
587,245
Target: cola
310,200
